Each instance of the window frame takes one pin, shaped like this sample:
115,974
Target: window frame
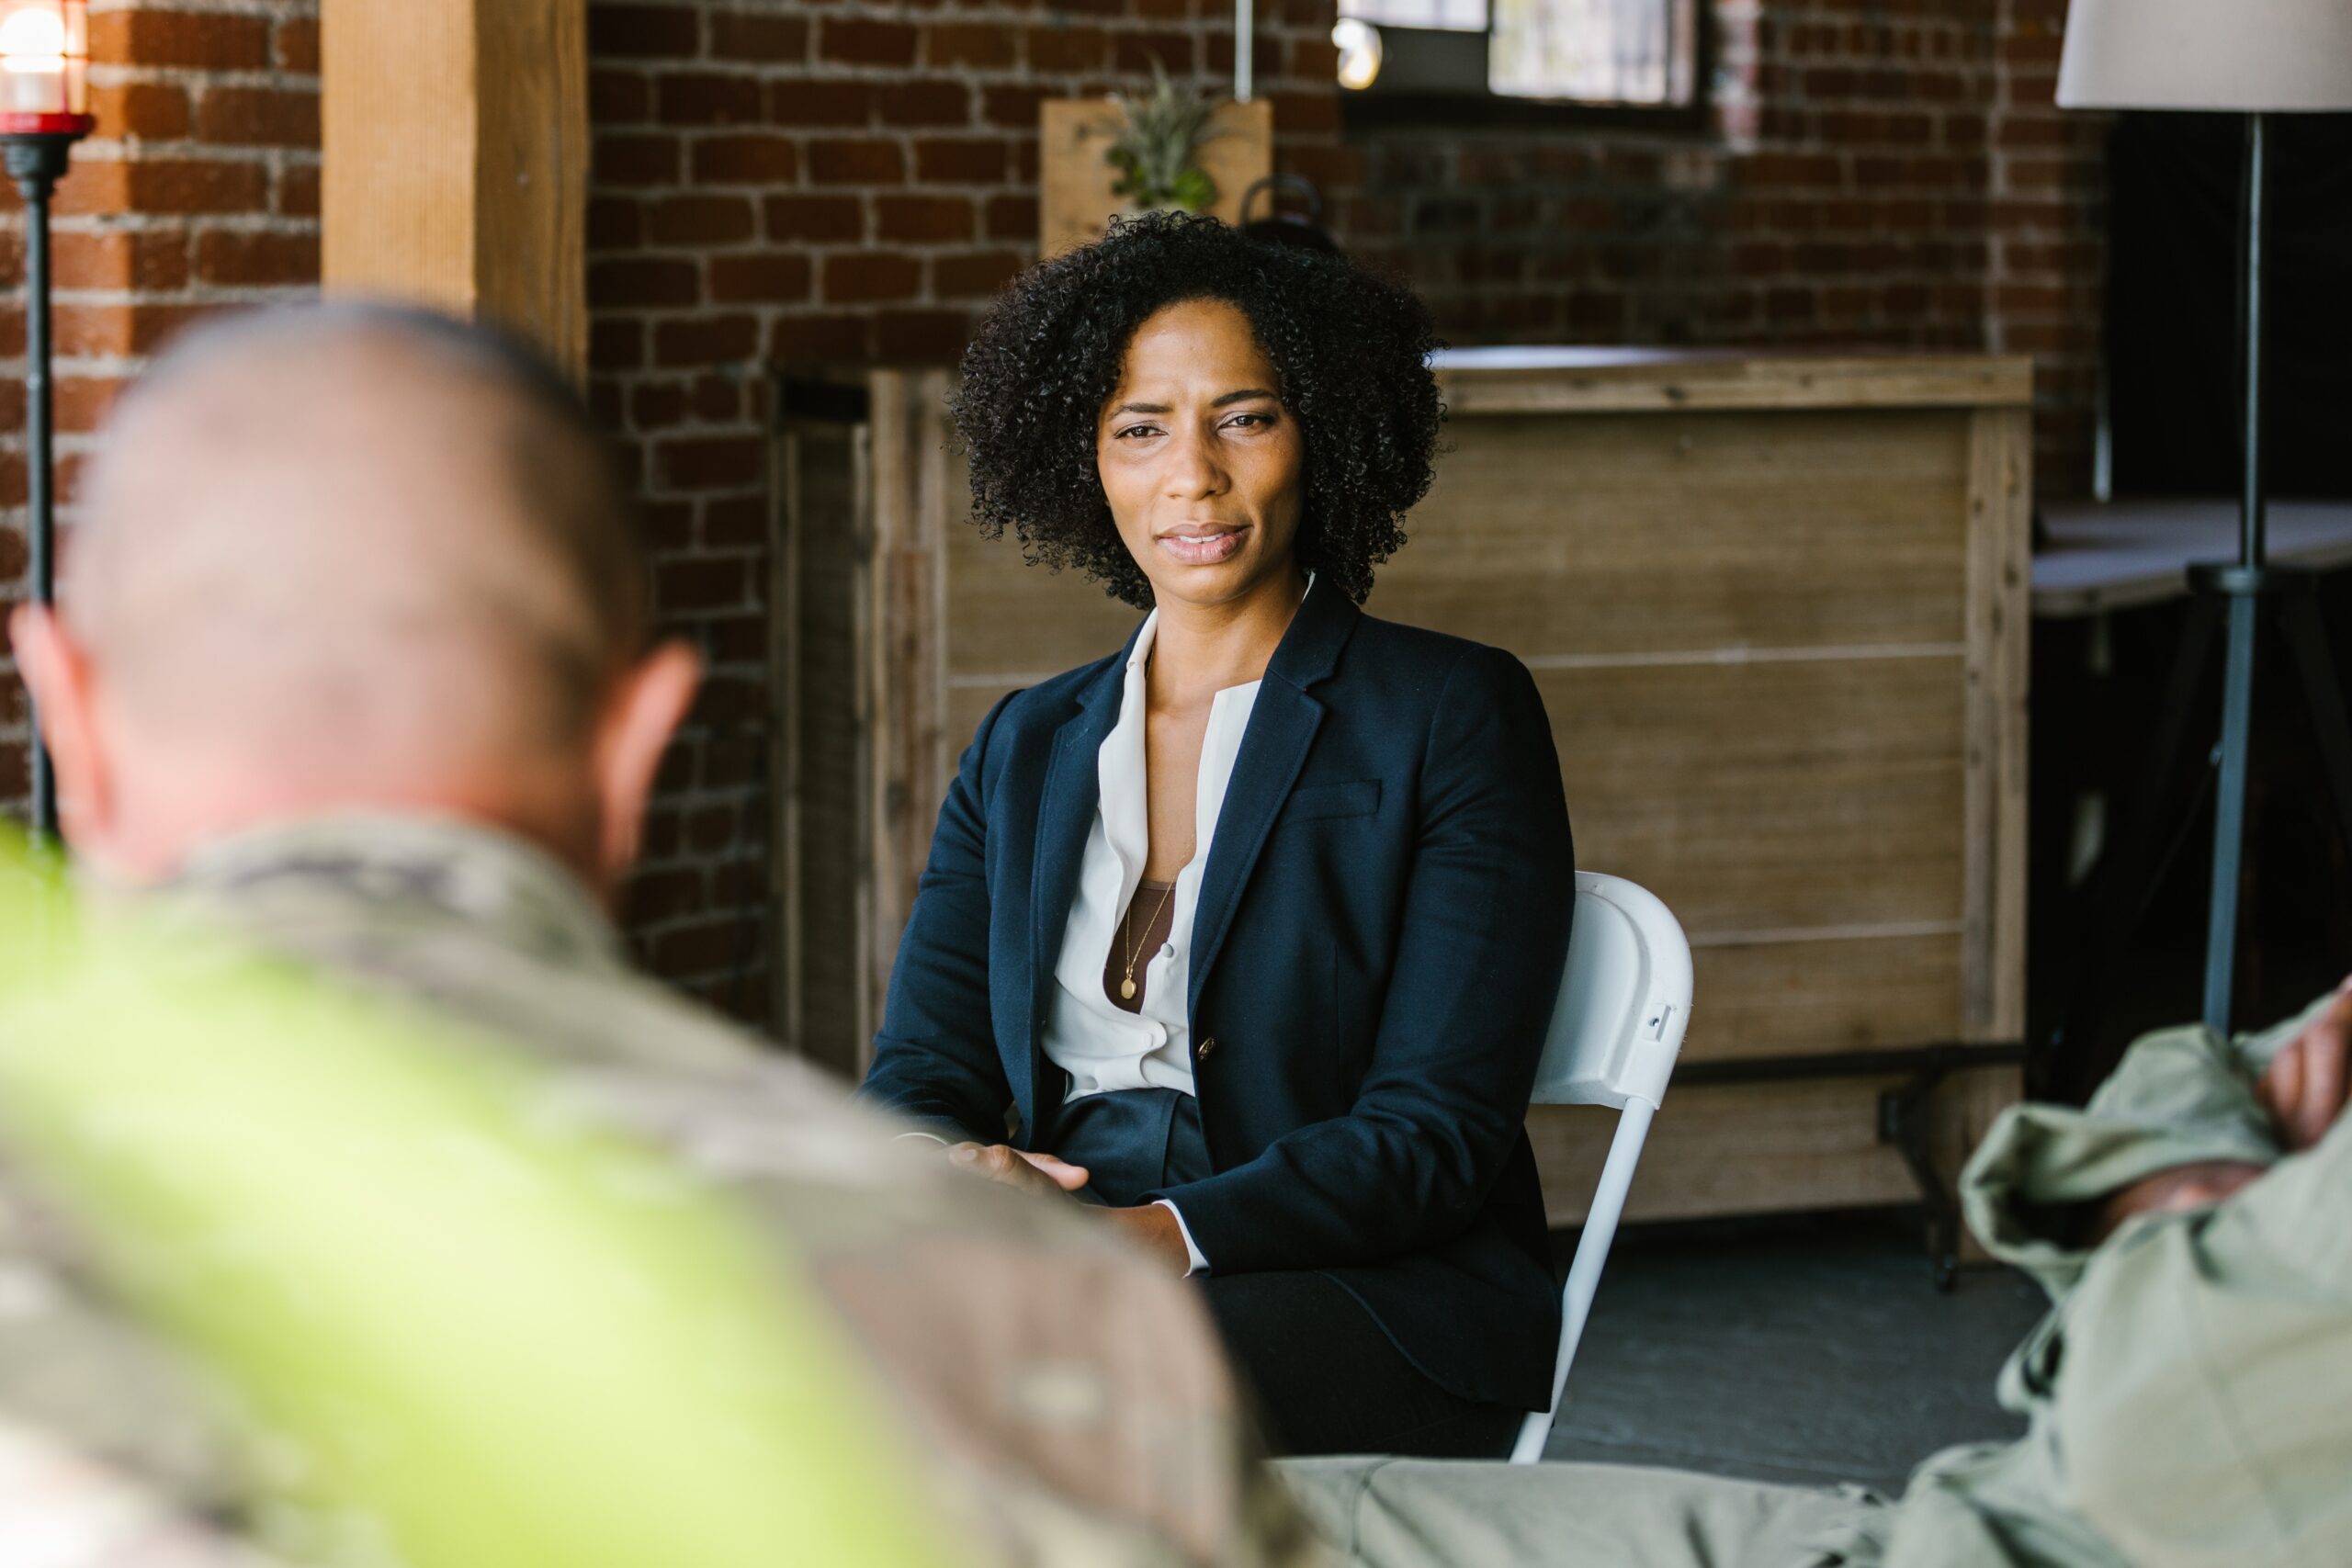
1463,108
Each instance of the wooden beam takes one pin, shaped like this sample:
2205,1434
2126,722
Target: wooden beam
1652,380
456,140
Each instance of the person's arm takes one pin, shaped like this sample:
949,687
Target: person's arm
2186,1120
1444,1096
935,1060
1159,1229
2199,1405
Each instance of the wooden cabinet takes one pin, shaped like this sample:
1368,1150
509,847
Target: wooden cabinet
1777,609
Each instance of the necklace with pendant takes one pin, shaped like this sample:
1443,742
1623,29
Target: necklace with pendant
1128,986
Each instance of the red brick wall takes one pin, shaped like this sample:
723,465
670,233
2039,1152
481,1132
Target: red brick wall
2048,229
853,182
1873,173
1839,195
848,181
202,190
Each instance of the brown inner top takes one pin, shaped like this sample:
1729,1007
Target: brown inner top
1149,918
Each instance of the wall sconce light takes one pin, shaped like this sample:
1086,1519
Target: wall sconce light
1358,42
44,109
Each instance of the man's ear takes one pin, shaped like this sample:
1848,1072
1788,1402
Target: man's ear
643,714
57,672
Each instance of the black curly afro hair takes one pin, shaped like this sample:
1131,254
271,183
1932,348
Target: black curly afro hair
1352,349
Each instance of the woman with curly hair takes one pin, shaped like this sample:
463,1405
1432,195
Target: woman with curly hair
1250,930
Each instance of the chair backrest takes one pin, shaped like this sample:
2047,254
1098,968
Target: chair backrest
1624,999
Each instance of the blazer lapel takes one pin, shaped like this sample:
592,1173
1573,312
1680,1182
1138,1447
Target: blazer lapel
1066,807
1282,728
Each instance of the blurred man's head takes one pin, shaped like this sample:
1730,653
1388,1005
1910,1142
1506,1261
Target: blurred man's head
352,558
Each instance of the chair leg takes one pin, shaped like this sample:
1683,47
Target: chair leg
1584,1272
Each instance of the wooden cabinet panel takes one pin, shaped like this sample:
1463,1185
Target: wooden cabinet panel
1746,1149
1756,797
1821,995
1622,534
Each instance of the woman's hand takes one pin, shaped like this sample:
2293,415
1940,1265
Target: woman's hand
1013,1167
1154,1227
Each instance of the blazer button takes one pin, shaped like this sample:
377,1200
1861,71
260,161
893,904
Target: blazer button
1208,1045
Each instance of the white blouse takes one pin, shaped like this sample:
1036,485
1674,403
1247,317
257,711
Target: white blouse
1101,1046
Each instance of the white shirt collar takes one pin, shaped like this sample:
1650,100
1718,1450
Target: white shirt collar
1140,654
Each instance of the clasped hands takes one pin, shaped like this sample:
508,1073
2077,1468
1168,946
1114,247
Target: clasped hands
1149,1223
2304,1089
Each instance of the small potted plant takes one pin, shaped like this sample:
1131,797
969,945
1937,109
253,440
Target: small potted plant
1157,148
1172,147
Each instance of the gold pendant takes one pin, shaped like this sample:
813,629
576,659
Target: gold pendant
1127,989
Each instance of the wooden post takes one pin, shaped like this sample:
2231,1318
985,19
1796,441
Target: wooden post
456,140
828,1004
910,754
2001,583
1999,611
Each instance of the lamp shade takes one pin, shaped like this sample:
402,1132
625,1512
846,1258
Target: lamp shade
44,66
2243,56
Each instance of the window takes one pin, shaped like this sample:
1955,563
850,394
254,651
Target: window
1613,54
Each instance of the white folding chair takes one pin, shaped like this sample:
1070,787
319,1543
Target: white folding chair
1624,1002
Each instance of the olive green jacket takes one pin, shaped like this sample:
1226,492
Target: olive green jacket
2188,1396
2190,1391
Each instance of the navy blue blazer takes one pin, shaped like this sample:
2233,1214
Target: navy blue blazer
1379,937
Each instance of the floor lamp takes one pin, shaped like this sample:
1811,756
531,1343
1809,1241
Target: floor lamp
2257,58
44,109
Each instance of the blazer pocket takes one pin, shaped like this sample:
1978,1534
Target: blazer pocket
1358,797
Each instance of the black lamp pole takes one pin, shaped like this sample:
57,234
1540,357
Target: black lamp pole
2202,58
36,161
2244,585
45,45
2232,599
2251,587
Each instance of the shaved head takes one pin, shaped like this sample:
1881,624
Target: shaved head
373,532
349,556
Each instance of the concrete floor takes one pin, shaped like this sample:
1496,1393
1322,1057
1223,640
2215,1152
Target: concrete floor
1809,1351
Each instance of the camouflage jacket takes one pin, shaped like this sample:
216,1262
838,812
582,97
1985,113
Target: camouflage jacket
1070,1398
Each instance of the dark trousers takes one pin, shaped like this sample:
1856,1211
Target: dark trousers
1326,1376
